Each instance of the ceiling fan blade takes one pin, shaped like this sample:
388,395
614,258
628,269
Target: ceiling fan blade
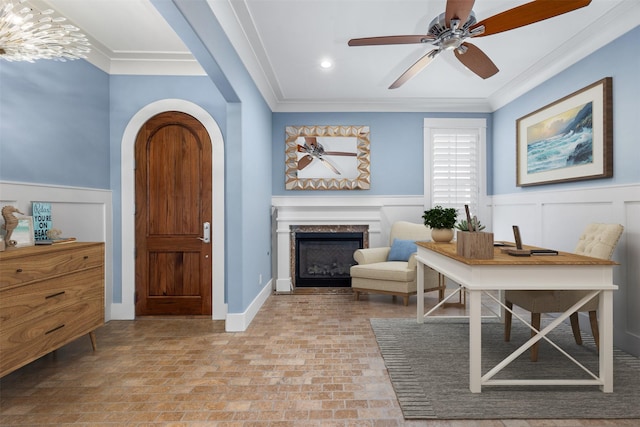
419,65
459,9
339,153
329,165
303,162
311,141
477,61
374,41
528,13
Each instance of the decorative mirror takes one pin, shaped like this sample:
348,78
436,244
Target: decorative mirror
327,158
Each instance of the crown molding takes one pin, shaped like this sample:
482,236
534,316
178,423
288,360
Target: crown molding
137,63
228,17
612,25
444,105
230,13
618,21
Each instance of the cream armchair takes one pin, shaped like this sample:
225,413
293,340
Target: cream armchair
598,241
392,269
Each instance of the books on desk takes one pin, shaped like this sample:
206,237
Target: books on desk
544,252
530,252
520,251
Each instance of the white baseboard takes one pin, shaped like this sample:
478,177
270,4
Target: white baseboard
239,322
283,285
120,311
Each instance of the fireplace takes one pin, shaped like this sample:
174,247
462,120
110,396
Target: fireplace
322,256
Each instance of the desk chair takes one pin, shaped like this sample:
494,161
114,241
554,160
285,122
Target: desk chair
598,241
393,269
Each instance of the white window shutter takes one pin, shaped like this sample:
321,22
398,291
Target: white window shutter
455,168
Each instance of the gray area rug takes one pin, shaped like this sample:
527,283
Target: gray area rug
429,369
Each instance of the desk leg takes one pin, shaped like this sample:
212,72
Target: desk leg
420,293
475,341
606,340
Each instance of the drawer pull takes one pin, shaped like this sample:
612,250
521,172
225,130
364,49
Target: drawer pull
54,329
19,270
86,257
54,295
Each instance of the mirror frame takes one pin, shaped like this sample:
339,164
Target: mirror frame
361,182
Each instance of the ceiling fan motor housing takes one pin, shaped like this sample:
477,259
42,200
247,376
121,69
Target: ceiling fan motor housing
450,35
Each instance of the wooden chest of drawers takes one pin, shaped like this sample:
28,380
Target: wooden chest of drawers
49,296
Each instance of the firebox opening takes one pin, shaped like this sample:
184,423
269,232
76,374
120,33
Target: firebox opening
324,259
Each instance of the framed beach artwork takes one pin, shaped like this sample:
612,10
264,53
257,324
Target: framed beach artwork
23,234
568,140
327,158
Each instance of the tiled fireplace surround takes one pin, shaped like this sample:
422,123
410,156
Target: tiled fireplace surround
295,229
371,215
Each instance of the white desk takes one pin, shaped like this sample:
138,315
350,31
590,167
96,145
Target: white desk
562,272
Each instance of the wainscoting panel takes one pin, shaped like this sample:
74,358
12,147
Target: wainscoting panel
83,213
555,219
524,215
562,223
630,292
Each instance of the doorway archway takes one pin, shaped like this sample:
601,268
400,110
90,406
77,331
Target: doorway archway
128,200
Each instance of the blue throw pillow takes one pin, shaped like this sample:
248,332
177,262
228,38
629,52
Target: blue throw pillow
401,250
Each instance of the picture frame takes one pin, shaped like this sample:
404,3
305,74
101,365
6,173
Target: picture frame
555,144
327,158
23,233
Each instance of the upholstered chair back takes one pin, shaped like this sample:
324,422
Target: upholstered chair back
405,230
599,240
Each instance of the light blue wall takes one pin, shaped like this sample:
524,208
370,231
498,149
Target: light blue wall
54,123
77,115
397,153
128,95
621,60
248,162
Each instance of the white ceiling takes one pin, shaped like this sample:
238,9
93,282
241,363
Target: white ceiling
282,43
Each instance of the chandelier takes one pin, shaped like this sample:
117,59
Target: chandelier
27,34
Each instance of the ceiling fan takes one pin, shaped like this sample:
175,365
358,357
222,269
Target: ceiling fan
315,150
450,29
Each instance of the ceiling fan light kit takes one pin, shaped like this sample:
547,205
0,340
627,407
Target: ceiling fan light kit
451,29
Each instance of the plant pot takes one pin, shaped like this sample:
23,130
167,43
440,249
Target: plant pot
442,235
476,245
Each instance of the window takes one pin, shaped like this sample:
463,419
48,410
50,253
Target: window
454,164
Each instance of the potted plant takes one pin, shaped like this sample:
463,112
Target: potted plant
441,221
463,225
472,242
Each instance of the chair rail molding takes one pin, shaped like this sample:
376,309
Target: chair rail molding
83,213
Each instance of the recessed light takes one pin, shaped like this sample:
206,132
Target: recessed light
326,64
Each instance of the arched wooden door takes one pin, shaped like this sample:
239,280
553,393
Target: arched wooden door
173,202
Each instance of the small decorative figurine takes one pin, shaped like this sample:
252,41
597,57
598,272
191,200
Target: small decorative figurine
54,234
10,223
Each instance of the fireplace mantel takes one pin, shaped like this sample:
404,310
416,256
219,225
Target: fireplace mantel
376,213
